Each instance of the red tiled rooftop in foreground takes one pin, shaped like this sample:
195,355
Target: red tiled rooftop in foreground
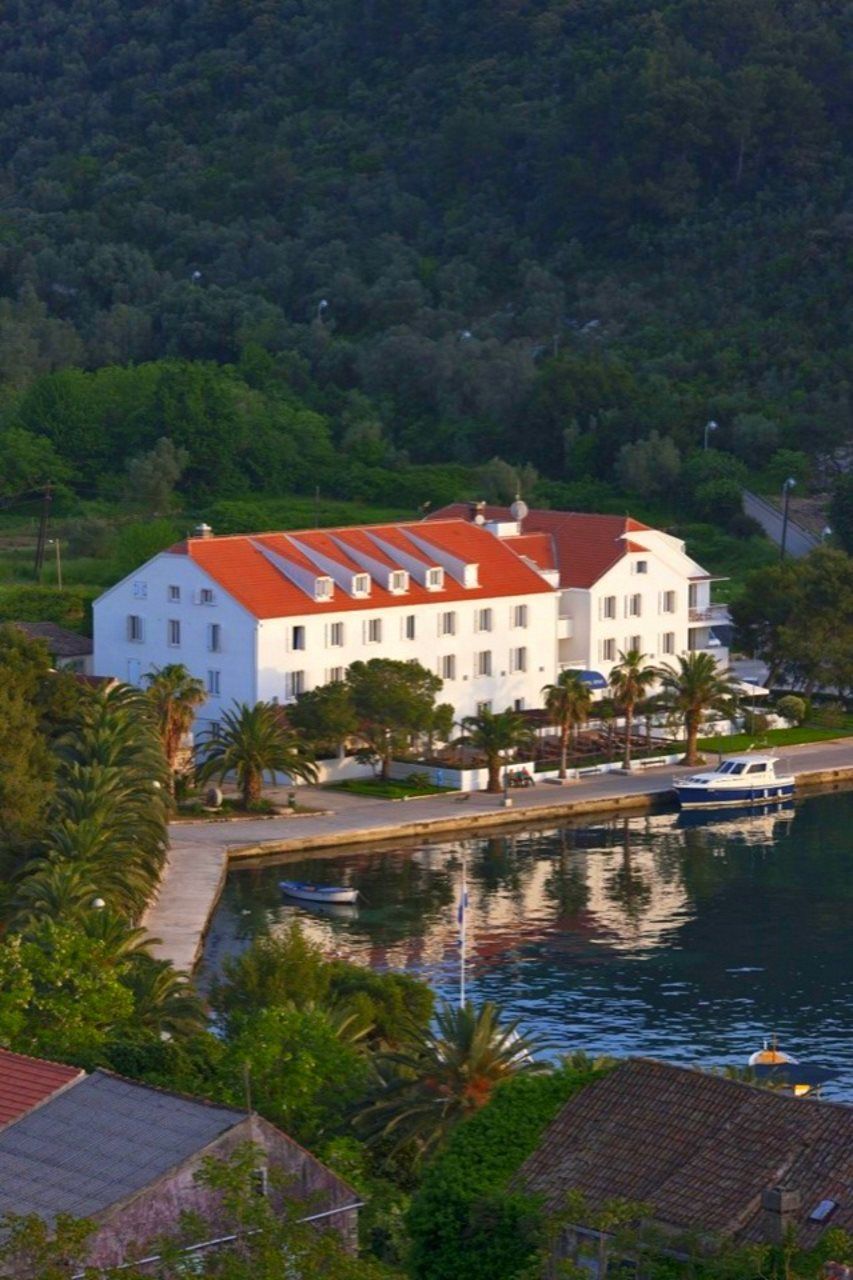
238,565
586,545
25,1082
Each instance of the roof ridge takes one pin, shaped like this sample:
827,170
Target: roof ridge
51,1062
241,1113
364,527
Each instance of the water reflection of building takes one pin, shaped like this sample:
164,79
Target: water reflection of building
524,890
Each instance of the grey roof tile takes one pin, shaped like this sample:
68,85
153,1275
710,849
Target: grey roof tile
99,1141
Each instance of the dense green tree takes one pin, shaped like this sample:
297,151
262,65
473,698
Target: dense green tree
393,701
152,476
797,617
841,512
325,715
61,993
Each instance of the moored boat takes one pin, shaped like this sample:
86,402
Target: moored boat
744,779
326,894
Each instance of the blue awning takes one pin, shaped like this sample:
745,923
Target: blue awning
594,679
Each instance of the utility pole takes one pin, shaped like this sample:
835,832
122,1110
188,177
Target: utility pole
47,498
786,498
58,555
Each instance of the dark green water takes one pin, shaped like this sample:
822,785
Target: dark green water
627,936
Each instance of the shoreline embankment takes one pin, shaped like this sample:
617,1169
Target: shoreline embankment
200,853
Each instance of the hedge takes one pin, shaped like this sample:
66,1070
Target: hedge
465,1220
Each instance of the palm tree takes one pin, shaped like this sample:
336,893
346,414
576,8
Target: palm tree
252,741
164,1000
495,734
697,684
55,888
630,680
568,703
176,695
447,1072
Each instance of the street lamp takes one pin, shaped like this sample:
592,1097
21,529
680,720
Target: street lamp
321,307
709,427
98,904
826,532
786,498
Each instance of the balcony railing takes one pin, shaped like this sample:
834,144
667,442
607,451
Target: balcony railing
709,615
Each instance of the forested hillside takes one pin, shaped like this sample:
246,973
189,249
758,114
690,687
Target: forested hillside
425,232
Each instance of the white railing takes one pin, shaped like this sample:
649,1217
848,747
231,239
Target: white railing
710,614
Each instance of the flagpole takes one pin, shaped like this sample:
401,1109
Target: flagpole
463,929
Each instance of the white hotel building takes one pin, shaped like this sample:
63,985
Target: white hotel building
494,607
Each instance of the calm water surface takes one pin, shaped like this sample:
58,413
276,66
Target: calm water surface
689,943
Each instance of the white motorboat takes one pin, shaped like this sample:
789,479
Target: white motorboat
325,894
744,779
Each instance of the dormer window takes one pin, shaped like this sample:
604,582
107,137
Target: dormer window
434,579
471,576
361,584
398,581
323,588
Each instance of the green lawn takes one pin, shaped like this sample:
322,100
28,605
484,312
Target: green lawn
393,789
774,738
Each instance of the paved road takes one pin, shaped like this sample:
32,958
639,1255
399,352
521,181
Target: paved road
199,852
798,541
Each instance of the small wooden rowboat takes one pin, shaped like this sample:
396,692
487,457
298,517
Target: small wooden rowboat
324,893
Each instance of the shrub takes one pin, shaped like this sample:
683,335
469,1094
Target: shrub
466,1219
794,709
830,715
755,723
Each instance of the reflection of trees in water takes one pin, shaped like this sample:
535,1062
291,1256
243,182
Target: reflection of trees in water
498,866
627,886
566,885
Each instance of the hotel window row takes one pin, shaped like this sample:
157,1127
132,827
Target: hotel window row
608,651
632,605
174,634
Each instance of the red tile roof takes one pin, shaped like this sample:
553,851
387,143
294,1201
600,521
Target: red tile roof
698,1149
241,568
586,545
25,1082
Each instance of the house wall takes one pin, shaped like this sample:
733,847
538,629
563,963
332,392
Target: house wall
115,654
315,664
592,629
130,1228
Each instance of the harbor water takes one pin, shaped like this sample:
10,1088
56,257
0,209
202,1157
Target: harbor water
690,940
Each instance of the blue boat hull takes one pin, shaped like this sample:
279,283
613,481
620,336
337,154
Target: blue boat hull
716,797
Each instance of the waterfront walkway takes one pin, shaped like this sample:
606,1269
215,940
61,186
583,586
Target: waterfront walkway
200,851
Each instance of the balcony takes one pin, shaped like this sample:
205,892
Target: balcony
564,628
709,616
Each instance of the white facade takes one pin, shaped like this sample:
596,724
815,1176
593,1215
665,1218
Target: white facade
654,599
496,651
445,597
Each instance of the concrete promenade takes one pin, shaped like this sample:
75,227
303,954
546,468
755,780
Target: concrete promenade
200,851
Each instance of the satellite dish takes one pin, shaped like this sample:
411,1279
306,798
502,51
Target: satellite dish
519,510
479,518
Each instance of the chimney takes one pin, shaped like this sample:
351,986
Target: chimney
202,531
780,1209
475,512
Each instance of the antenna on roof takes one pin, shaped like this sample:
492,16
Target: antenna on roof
247,1085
